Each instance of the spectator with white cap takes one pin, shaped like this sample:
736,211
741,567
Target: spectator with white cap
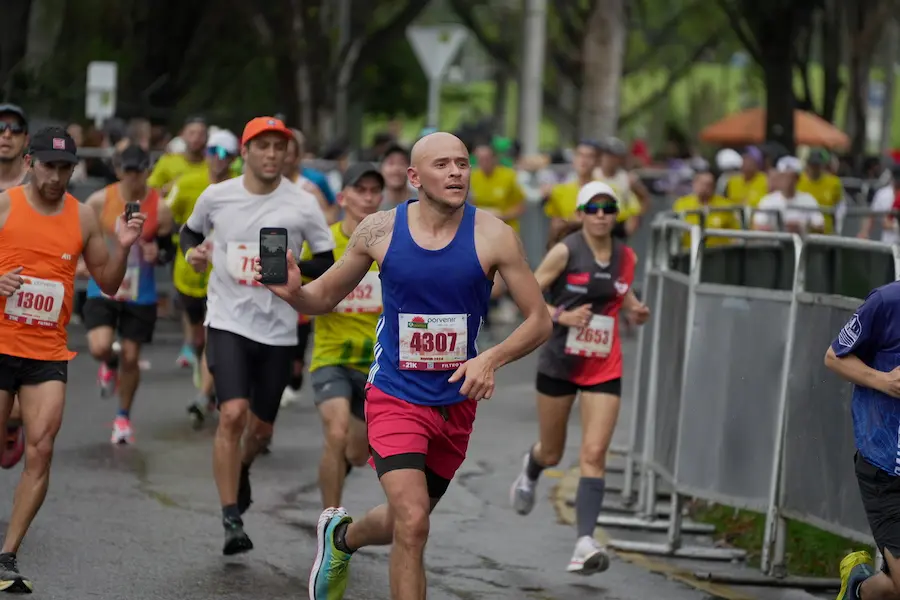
728,162
799,211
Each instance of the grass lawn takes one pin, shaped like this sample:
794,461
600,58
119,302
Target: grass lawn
706,94
810,551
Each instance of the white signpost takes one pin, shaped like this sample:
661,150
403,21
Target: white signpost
436,47
100,99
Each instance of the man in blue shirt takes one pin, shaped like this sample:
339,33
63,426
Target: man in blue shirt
867,354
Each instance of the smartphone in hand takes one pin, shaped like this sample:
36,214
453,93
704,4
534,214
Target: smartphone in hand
273,255
130,209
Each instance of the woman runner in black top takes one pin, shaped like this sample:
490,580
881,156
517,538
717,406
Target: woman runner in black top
588,276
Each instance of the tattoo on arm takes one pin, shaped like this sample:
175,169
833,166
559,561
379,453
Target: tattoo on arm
373,230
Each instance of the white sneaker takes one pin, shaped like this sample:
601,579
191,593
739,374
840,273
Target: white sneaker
290,396
122,432
589,557
522,492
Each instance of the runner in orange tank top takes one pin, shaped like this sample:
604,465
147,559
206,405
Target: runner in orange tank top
131,313
43,232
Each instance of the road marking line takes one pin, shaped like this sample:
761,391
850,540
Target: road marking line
567,487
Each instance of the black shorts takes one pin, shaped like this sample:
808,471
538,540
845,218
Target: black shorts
880,492
16,372
304,330
194,308
553,387
133,322
243,368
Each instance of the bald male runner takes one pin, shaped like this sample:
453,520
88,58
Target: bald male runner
437,256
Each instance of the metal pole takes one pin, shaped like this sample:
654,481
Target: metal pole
533,74
434,101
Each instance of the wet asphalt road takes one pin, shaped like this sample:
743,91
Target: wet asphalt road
143,522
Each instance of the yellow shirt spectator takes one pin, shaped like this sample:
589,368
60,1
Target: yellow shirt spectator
715,219
170,167
828,191
742,191
495,188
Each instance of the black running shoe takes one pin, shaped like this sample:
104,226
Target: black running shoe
195,412
11,581
244,492
236,541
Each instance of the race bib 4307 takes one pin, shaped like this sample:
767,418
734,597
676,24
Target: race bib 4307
365,298
433,342
38,303
240,257
596,339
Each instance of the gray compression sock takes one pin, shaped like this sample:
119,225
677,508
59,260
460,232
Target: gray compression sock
588,504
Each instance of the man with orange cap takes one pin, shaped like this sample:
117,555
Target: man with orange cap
250,335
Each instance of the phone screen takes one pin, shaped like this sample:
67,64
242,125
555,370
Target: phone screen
130,209
273,256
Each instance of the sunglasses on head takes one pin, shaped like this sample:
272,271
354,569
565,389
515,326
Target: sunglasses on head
219,152
607,208
13,128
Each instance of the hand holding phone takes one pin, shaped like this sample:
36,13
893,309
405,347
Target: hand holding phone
273,255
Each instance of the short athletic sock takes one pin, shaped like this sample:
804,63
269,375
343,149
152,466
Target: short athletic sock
340,538
296,382
533,470
231,513
123,414
588,504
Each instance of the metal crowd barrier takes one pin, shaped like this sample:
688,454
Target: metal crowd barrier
733,403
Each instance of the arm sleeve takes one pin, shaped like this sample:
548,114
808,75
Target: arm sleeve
188,238
317,265
859,336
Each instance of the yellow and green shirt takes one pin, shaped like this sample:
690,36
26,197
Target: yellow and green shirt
342,338
181,200
170,167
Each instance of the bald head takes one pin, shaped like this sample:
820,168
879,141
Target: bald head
439,169
436,145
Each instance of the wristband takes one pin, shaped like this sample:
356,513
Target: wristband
556,313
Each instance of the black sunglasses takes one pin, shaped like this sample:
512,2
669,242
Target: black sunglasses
13,128
607,208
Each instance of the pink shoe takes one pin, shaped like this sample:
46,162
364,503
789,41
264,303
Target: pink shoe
107,379
13,448
122,432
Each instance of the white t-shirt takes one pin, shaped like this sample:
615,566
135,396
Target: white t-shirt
231,217
883,202
801,210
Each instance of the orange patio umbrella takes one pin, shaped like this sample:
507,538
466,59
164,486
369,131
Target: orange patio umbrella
749,127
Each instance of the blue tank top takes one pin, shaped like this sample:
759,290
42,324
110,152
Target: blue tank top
434,303
139,284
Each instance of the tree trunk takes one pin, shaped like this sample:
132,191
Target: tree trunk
14,15
777,54
603,55
831,44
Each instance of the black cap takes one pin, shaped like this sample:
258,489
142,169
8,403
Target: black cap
53,144
134,158
817,157
395,149
14,109
357,171
615,146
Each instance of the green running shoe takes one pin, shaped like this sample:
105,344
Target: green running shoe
330,572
